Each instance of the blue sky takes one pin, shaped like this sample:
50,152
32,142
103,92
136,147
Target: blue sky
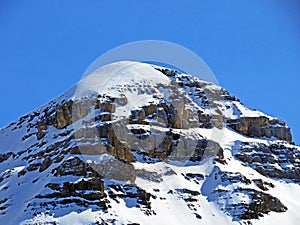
252,47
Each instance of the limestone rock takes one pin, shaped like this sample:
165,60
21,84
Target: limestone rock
45,164
271,160
261,127
41,127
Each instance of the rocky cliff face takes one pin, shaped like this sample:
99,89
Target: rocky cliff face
261,127
150,146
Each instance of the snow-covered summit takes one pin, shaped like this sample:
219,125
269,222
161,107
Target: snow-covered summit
135,143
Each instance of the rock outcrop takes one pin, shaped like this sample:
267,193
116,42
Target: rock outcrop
261,127
270,160
251,203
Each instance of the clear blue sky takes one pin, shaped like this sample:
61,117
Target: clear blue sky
252,47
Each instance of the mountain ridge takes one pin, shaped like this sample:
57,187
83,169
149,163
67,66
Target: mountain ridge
145,137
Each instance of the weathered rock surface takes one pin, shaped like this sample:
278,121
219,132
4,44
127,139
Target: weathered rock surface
270,160
251,203
261,127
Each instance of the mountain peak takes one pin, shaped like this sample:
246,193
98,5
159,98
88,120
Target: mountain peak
136,143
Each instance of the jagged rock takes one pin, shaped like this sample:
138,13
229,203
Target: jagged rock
261,127
176,146
263,185
204,119
106,106
33,166
176,113
270,160
105,130
132,192
261,203
251,203
137,116
41,127
116,170
234,177
63,116
71,111
80,108
207,148
104,117
45,164
90,149
217,121
84,193
149,109
22,173
73,166
120,151
94,184
5,156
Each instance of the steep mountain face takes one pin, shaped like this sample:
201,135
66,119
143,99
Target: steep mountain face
135,143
